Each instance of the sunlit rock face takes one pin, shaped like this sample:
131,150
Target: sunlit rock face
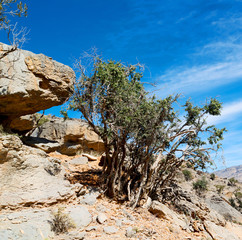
31,82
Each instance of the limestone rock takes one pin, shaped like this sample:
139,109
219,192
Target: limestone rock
79,161
90,198
25,225
36,224
223,208
130,232
31,82
23,123
110,229
80,216
42,143
73,135
218,232
162,211
29,177
101,218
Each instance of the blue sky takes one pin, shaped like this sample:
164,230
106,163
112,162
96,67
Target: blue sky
188,47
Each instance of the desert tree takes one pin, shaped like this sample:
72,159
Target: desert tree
146,140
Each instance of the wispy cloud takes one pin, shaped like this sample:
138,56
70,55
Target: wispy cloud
214,63
200,78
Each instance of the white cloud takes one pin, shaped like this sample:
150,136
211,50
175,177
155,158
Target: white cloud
200,78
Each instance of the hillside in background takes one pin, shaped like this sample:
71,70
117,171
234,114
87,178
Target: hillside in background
235,172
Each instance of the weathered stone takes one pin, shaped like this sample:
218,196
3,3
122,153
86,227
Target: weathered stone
118,223
30,82
79,161
25,225
28,176
80,216
218,232
223,208
162,211
22,124
101,218
90,198
74,136
42,143
110,229
130,232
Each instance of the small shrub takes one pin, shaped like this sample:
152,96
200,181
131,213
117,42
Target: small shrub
232,182
200,185
61,222
1,129
42,121
232,202
7,132
212,176
189,165
220,188
187,174
238,195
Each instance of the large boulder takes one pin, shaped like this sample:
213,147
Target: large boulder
70,137
31,82
222,207
219,233
29,177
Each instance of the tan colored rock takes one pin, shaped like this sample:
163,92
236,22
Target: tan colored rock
28,176
73,135
23,123
218,232
162,211
30,82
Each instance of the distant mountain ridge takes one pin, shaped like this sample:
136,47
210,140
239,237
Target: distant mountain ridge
235,171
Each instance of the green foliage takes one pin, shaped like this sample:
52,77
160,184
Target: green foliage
238,194
145,139
220,188
11,8
201,185
1,129
232,182
187,174
232,202
212,176
64,114
236,201
43,120
61,222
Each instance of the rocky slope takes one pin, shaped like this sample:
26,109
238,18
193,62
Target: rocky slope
49,179
34,184
231,172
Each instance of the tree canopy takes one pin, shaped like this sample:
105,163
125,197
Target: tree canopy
146,140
